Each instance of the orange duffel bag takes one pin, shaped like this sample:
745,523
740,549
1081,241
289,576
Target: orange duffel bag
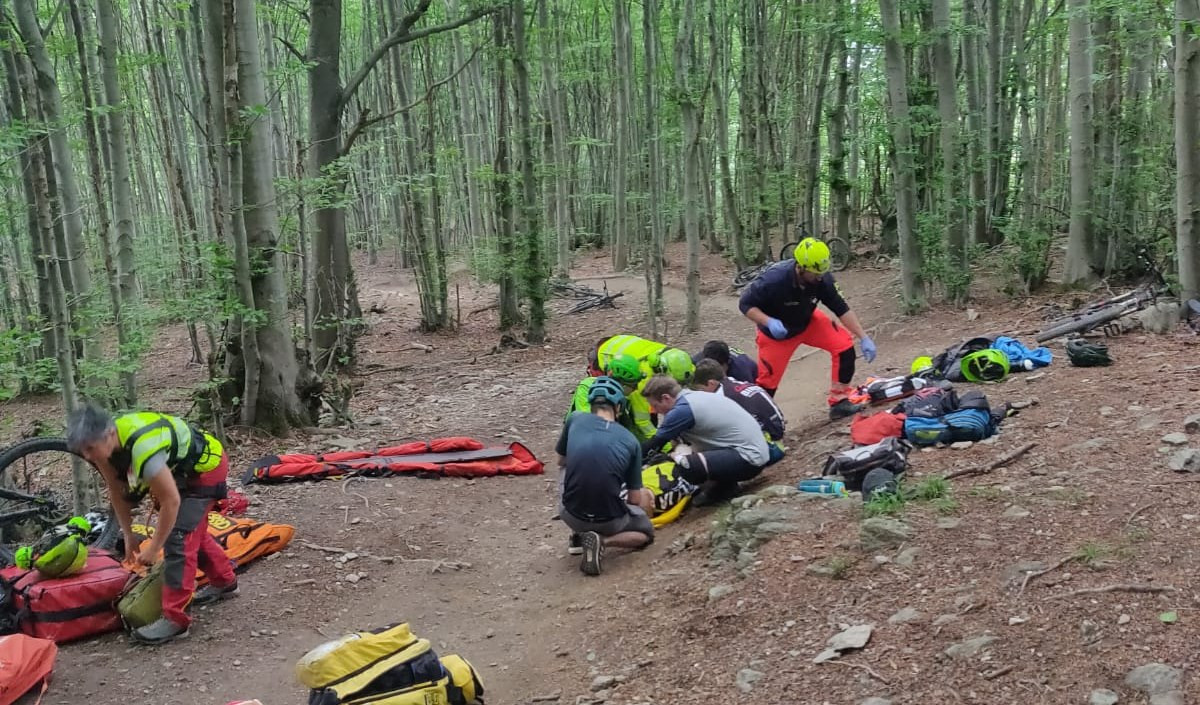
243,540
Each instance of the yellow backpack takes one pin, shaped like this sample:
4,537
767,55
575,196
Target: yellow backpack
391,666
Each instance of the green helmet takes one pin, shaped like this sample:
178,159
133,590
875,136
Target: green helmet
625,369
988,365
921,364
677,364
60,552
23,558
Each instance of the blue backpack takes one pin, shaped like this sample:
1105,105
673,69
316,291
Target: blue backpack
961,425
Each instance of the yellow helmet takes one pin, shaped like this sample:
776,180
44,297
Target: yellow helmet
812,255
921,363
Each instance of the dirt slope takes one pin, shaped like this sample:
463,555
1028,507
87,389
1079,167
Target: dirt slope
535,626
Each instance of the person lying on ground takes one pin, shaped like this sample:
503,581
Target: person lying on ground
736,363
710,377
184,470
726,444
782,302
600,458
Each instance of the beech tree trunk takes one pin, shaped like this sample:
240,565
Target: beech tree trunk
905,186
277,406
958,273
1079,241
1187,146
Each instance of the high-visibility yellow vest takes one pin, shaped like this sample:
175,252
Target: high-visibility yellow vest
145,433
641,349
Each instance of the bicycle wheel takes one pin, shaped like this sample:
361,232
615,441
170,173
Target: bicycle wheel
747,275
839,253
1084,323
788,251
24,513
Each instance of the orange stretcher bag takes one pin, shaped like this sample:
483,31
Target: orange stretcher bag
243,540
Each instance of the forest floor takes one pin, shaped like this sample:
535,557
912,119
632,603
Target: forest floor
1096,487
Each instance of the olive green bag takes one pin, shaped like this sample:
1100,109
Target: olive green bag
142,602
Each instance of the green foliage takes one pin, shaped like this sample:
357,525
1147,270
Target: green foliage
839,567
931,488
891,504
1093,554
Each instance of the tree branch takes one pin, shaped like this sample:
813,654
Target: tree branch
292,48
403,34
363,123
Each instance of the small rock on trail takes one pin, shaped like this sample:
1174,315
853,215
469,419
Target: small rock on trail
747,677
904,616
970,647
1175,439
883,532
1103,696
1154,678
1186,460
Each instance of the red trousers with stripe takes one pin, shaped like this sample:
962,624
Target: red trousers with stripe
190,546
822,332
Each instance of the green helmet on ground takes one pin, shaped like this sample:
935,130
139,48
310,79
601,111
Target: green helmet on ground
678,364
625,369
988,365
59,553
921,363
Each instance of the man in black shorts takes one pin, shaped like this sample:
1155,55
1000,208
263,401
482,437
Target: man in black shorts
600,459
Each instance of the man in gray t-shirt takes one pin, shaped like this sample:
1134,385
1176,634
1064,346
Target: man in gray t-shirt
600,458
727,442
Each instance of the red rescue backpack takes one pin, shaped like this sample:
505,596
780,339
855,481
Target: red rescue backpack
24,662
75,607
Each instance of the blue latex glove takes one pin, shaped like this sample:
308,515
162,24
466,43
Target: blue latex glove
868,348
776,328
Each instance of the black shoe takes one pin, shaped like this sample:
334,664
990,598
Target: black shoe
844,408
716,494
593,552
575,545
209,594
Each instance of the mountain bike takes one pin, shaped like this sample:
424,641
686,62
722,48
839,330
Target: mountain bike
1108,310
25,514
839,256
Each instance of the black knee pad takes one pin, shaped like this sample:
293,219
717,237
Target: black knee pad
696,472
846,365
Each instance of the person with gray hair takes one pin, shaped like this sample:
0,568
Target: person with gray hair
184,469
727,446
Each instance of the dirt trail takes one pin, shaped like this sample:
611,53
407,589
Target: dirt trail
521,612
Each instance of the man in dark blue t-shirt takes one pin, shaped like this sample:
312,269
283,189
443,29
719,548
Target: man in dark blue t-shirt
736,363
600,459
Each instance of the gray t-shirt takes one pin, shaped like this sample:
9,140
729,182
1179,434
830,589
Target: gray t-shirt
709,421
154,465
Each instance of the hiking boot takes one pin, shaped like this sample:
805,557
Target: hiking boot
715,494
159,631
210,594
842,409
593,552
575,545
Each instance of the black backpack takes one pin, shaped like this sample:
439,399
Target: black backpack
929,403
891,454
949,361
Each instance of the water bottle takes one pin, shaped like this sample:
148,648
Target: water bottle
822,486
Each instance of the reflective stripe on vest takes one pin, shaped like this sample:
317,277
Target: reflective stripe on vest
639,348
144,434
